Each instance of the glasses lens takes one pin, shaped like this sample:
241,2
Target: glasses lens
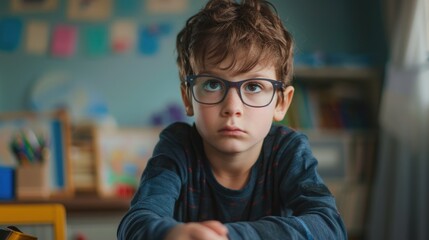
208,89
257,93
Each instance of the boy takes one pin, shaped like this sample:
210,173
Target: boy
233,174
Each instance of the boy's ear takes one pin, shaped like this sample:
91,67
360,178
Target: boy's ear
187,100
283,104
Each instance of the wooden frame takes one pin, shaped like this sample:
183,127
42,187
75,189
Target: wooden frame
33,5
93,10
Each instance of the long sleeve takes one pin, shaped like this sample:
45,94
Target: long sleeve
285,197
318,220
308,208
151,213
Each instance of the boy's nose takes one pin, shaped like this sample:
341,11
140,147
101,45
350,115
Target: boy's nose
232,104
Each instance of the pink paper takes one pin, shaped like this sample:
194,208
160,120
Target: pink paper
64,41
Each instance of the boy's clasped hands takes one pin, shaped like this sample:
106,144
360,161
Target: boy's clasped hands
207,230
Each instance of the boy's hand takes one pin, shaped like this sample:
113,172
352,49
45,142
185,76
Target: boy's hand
208,230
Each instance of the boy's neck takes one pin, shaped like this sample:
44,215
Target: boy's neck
232,170
234,182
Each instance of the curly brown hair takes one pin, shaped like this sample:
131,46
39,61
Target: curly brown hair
250,33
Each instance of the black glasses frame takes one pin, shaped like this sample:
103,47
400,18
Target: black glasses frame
277,85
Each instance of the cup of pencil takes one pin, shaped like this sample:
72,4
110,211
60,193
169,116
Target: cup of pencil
28,148
32,173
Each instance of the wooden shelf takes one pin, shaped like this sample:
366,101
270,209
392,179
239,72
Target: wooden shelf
336,73
84,203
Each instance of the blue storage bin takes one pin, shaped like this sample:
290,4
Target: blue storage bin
7,183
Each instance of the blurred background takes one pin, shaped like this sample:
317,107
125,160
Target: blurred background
97,80
125,79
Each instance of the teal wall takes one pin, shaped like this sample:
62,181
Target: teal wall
2,92
135,86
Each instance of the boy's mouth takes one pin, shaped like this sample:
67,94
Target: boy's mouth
230,130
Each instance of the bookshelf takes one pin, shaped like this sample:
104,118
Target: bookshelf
337,108
337,88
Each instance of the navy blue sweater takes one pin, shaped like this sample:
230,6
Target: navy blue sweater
284,198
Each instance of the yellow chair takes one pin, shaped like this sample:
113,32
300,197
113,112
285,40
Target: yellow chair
33,214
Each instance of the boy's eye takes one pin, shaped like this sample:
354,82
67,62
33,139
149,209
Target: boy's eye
212,85
253,87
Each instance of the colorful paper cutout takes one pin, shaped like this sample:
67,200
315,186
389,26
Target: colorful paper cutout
148,41
37,37
96,40
123,36
64,41
150,36
10,33
93,10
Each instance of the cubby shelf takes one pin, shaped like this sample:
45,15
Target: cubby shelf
346,73
343,105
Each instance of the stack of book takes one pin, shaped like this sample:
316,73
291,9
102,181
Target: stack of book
327,108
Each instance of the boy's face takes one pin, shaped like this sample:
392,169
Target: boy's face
231,127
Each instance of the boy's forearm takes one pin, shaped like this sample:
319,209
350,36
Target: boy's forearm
142,224
151,213
311,226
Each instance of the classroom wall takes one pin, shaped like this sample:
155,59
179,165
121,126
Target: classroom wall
2,94
134,87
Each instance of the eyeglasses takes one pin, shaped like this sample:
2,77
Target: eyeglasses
253,92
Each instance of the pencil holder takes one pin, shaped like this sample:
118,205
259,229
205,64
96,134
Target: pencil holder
32,181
